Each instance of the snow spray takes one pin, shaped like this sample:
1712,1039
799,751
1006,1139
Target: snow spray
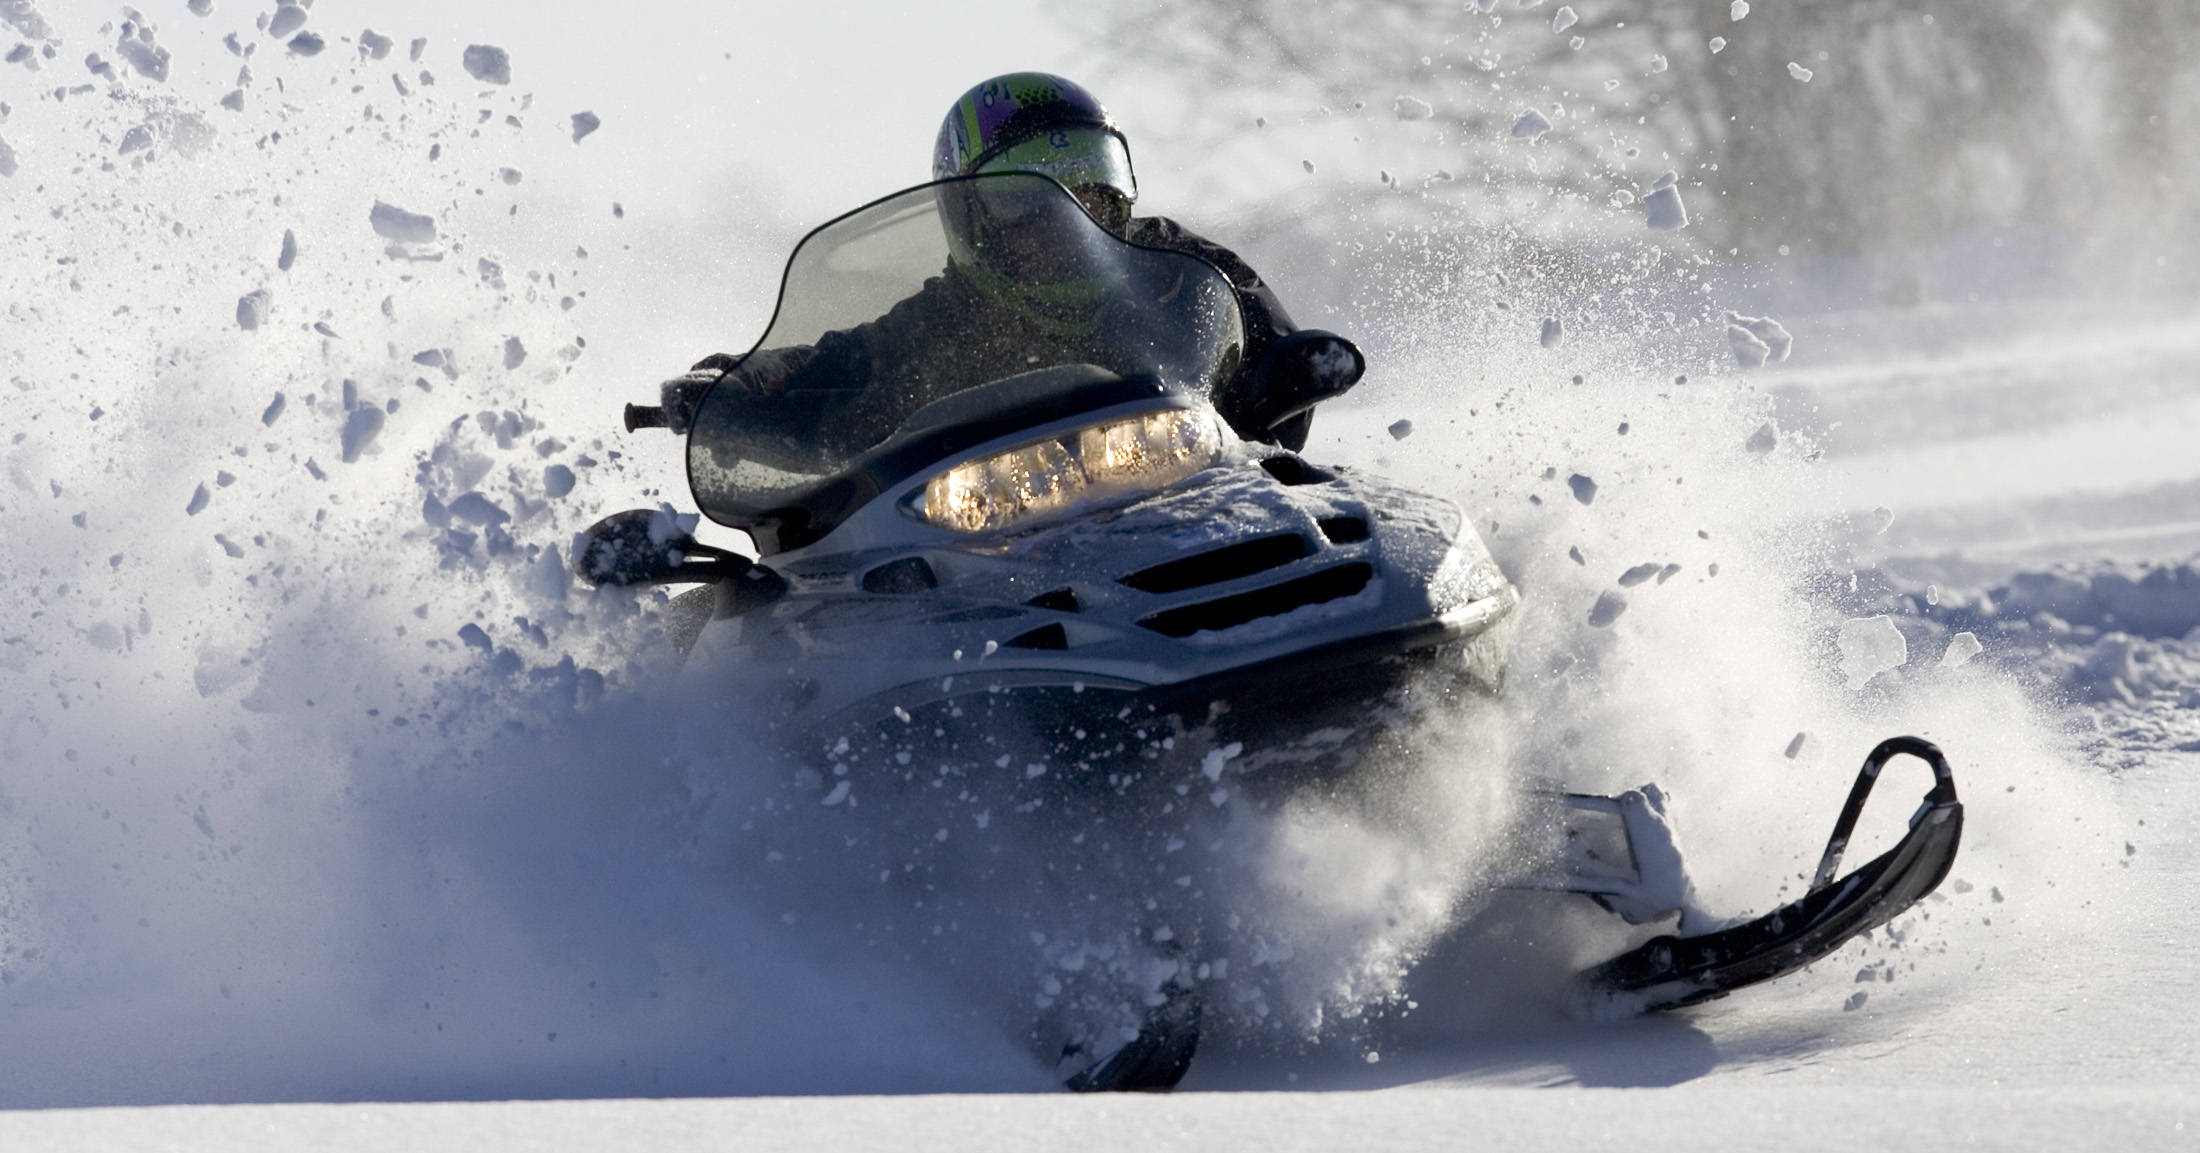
321,779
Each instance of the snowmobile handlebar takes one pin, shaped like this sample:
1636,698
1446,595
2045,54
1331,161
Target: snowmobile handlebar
1943,793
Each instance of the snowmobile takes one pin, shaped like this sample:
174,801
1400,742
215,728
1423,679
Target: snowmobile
1077,503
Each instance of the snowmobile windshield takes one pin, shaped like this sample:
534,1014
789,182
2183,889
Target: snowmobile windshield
995,300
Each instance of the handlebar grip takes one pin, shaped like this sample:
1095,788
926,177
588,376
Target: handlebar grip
640,416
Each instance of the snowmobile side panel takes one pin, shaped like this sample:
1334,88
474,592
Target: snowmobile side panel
1668,972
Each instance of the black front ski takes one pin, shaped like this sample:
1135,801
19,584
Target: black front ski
1669,972
1158,1058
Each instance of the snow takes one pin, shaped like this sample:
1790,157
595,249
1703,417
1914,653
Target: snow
1663,209
288,18
1564,19
1718,45
401,226
577,932
1737,10
585,123
1554,332
1767,340
1530,125
1799,72
488,64
1412,108
1870,646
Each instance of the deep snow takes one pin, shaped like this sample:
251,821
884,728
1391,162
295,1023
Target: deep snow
324,783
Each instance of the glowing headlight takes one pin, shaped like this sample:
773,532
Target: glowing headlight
1144,452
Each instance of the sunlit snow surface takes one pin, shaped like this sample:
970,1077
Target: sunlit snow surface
319,779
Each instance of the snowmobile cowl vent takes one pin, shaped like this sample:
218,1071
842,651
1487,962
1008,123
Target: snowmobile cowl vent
1047,637
1292,470
1223,564
1060,600
1343,529
1275,600
908,575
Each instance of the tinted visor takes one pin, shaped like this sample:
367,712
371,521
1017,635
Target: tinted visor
1074,158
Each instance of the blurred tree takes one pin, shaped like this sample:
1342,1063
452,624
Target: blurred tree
1915,121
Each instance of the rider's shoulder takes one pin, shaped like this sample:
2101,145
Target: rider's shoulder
1162,232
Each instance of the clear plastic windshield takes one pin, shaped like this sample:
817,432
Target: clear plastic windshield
946,290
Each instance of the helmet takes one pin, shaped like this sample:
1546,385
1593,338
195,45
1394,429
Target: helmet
1034,122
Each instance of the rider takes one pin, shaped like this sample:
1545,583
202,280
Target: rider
1035,122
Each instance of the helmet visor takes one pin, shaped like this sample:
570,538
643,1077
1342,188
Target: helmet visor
1075,158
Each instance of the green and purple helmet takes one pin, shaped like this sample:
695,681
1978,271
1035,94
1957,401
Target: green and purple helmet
1034,122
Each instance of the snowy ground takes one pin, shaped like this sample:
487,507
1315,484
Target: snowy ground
308,728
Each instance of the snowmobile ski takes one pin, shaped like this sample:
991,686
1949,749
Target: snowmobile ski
1157,1058
1668,972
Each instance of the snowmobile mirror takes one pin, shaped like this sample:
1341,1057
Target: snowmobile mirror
1300,371
649,547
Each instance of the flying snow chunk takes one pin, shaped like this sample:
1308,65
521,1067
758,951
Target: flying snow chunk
585,123
1738,9
1639,574
1585,490
1882,518
476,509
274,410
252,309
1609,607
138,50
515,353
1718,45
1764,440
288,18
1564,19
290,251
375,46
360,429
508,175
307,44
1663,208
557,480
1775,337
488,64
1961,648
8,165
1530,125
1412,108
1749,352
23,15
1554,332
1657,64
394,223
1308,165
1799,72
234,101
1401,429
1796,746
1870,646
199,500
135,140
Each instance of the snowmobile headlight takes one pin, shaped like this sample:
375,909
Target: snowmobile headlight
1150,451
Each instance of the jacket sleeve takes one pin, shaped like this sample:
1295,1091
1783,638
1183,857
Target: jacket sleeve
1265,321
